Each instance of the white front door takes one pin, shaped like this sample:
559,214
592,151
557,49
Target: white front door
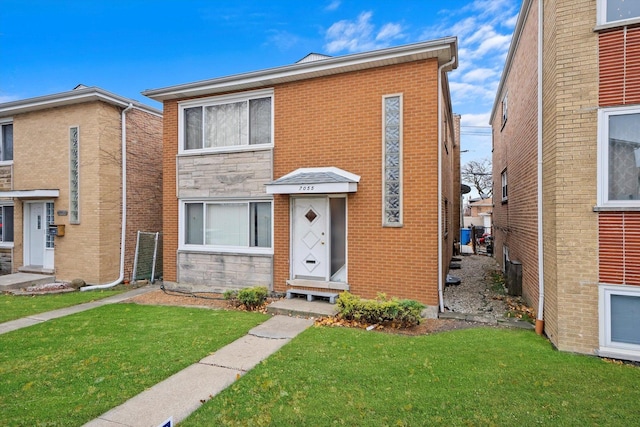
36,229
310,240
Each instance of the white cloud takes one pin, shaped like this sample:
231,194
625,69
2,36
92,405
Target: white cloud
334,5
481,119
283,40
361,35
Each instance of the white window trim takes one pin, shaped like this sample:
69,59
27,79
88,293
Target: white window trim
218,100
400,223
182,246
7,121
610,348
603,156
602,17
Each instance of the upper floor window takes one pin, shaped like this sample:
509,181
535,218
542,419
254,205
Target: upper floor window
611,11
505,193
505,105
6,142
227,122
619,156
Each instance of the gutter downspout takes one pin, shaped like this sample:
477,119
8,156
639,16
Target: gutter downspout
124,206
540,316
440,231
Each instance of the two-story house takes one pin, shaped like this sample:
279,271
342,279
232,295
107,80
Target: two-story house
566,169
80,174
334,173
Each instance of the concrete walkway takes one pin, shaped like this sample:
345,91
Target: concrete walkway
34,319
181,394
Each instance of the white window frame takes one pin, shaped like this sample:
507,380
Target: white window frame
220,248
400,222
602,16
609,348
219,100
3,122
603,156
3,243
504,185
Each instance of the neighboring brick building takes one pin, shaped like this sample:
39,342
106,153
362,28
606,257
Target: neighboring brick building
566,120
329,174
61,164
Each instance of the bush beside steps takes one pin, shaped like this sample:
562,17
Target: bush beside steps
402,313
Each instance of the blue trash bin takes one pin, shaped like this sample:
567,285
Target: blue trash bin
465,235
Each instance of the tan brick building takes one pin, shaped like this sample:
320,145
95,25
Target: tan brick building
566,164
61,172
325,175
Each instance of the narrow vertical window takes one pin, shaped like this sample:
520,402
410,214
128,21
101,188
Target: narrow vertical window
50,221
6,223
505,193
6,142
505,105
74,176
392,160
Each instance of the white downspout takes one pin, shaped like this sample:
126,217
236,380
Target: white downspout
540,316
123,226
440,231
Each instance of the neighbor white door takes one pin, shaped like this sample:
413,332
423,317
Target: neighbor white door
310,239
36,229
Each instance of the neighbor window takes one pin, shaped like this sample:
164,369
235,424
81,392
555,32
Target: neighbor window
74,175
228,224
610,11
619,156
392,160
227,122
6,223
505,105
6,142
505,193
619,317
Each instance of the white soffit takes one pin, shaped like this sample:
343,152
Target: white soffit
31,194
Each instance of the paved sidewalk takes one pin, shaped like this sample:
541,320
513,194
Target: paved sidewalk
48,315
181,394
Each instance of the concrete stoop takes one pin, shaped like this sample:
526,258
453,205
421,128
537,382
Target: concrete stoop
23,280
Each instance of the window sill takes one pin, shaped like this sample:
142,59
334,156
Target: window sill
616,24
226,251
6,245
616,209
224,150
6,162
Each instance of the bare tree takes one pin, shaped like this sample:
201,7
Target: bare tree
477,173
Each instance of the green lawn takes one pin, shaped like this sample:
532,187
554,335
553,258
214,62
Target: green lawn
16,306
67,371
474,377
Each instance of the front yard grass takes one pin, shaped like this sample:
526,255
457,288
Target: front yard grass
16,306
474,377
70,370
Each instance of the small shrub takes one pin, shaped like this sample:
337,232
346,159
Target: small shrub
230,294
406,313
253,298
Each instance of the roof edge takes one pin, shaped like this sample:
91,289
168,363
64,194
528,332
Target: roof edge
444,49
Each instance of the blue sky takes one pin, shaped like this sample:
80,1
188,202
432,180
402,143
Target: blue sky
125,47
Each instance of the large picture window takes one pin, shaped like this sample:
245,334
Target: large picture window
619,157
229,122
228,225
611,11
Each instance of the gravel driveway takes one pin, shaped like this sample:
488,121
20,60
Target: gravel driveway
474,294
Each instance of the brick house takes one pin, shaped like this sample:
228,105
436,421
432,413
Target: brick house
566,121
61,169
334,173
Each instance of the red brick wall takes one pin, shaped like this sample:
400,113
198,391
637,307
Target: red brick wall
515,149
169,197
619,61
336,121
619,248
144,179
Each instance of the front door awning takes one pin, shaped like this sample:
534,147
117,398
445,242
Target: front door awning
31,194
315,181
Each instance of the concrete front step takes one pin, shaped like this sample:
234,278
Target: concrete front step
23,280
302,308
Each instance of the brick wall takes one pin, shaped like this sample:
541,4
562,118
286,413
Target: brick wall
515,150
336,121
169,196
